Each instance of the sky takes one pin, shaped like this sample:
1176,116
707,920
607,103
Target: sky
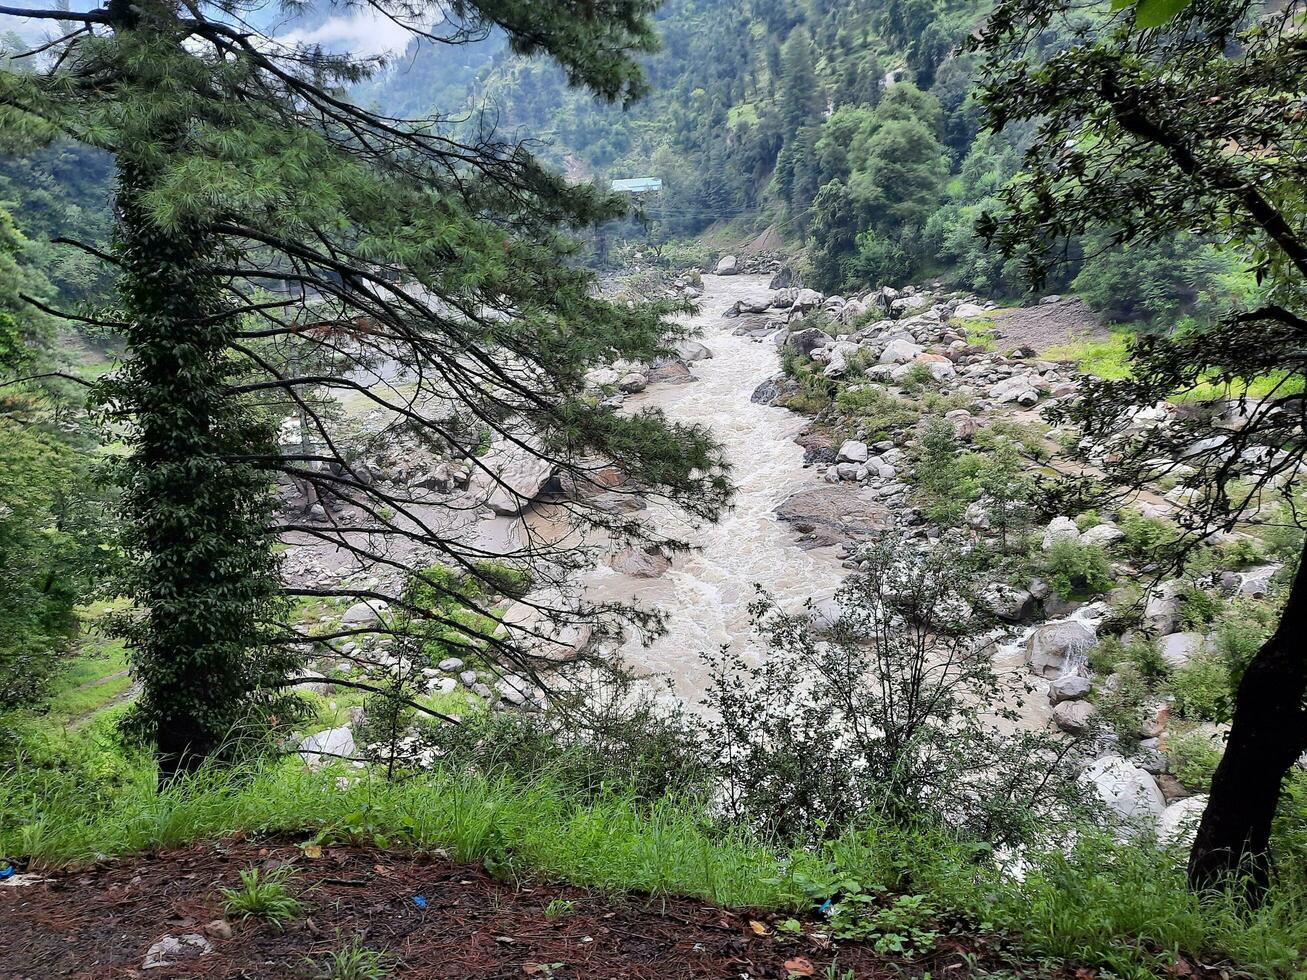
360,31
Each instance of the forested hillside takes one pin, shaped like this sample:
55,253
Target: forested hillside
853,128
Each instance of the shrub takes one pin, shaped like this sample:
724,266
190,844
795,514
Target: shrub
1146,538
896,709
1203,689
354,961
1194,758
1077,571
944,477
504,579
1121,704
1139,654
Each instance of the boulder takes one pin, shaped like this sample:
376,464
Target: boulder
640,562
1162,610
514,474
364,613
691,351
324,748
1178,824
805,341
965,425
633,382
938,365
1102,535
1048,647
1130,794
1060,529
1010,604
670,371
450,664
514,689
833,515
1069,688
1257,581
1074,717
807,299
900,351
853,451
966,311
727,265
1178,649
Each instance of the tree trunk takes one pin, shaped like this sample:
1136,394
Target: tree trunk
1268,734
203,576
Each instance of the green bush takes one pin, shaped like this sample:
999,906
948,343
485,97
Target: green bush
1077,571
1203,689
1146,538
1121,705
1138,653
1194,758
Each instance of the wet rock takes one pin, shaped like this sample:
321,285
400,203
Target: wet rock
672,371
1010,604
174,950
691,351
640,562
833,515
1050,646
632,383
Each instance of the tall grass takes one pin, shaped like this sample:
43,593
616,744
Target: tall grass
1120,907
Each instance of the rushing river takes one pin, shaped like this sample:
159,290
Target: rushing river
706,594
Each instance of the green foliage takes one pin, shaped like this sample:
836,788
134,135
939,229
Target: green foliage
354,961
1077,571
48,541
944,479
1194,757
263,895
1146,538
1203,688
1005,492
1121,703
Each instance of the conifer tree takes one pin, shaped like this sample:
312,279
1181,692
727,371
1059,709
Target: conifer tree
256,203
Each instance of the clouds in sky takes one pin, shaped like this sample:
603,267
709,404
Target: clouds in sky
362,32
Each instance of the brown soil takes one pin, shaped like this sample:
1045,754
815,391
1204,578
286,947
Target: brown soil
100,921
1046,325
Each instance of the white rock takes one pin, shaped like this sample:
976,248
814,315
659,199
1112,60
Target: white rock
1060,529
323,748
1129,792
450,664
1069,688
728,265
1178,649
1074,717
899,351
1102,535
513,474
853,451
966,311
364,613
691,350
171,950
1179,822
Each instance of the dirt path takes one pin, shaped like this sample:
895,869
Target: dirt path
100,923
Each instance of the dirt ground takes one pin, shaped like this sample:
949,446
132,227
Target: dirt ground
1047,324
430,917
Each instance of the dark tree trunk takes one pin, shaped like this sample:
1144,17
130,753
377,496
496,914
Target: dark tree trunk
1268,734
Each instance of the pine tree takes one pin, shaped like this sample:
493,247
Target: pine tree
802,102
255,201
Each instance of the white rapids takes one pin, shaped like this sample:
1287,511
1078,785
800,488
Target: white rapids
706,594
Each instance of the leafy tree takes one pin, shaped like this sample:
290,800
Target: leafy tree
1149,127
239,164
890,706
1006,491
902,177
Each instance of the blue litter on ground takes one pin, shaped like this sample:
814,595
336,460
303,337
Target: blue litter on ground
419,901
